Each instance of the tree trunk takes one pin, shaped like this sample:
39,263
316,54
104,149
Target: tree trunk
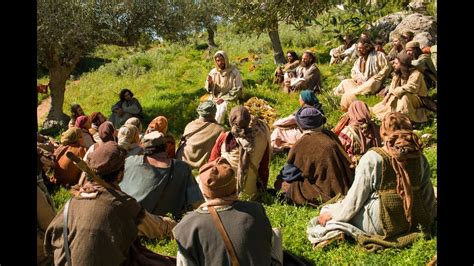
57,83
278,56
210,37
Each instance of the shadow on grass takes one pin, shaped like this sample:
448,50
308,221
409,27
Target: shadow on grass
89,64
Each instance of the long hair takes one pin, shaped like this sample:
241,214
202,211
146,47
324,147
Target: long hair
293,53
122,94
74,112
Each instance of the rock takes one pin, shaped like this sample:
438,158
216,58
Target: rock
418,23
383,26
424,39
419,6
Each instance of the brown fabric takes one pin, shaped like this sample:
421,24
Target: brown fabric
326,170
341,124
394,121
217,179
106,158
402,144
106,131
160,124
153,139
93,222
45,214
65,171
239,120
70,136
360,118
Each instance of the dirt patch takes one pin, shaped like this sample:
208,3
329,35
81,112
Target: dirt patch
42,110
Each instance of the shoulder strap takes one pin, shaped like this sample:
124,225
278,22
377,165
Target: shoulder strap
186,137
225,237
65,237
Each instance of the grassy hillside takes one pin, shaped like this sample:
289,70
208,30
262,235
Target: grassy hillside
168,79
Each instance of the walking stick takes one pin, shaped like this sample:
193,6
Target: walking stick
84,167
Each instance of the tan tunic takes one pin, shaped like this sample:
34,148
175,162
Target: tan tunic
262,141
197,149
403,97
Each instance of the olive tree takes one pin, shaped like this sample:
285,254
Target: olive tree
263,16
70,29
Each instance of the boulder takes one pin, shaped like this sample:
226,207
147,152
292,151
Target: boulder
384,25
424,39
419,23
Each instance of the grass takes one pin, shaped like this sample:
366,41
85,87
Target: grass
168,80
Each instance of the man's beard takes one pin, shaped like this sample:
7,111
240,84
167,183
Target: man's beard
397,71
304,64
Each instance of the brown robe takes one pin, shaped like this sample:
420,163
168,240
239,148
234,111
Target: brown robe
102,230
65,171
325,168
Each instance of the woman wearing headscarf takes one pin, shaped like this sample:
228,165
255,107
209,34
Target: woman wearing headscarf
247,148
106,133
224,83
136,122
286,131
391,195
357,132
317,168
96,118
160,124
65,172
129,139
83,122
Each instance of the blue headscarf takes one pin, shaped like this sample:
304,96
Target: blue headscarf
310,98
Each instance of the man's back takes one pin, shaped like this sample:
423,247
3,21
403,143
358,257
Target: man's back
246,224
101,229
160,190
197,149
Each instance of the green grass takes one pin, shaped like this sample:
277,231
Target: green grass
168,80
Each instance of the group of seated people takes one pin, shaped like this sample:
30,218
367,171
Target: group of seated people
136,179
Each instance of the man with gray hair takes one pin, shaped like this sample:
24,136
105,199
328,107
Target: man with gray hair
199,136
160,184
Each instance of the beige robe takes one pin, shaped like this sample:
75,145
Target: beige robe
403,97
262,140
197,149
227,85
376,70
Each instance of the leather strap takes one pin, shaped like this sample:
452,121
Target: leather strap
225,237
185,138
65,237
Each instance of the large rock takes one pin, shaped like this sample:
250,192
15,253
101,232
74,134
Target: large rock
418,23
424,39
384,25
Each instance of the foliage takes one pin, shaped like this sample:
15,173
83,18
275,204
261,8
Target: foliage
353,18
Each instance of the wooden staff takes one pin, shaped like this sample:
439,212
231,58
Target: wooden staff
84,167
